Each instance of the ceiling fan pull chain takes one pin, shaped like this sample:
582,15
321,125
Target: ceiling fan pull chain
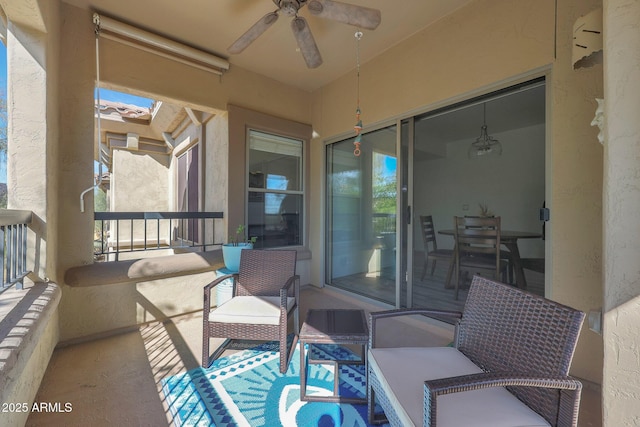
358,127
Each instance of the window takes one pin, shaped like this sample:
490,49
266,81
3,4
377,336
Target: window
276,191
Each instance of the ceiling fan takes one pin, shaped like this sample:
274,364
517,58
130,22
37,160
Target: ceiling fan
359,16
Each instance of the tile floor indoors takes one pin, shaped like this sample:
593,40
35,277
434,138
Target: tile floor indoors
115,381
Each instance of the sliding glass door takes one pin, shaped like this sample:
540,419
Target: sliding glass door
362,203
427,166
451,177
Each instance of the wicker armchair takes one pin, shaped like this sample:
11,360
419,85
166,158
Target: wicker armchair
508,366
265,294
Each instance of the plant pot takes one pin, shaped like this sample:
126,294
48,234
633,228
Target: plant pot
231,255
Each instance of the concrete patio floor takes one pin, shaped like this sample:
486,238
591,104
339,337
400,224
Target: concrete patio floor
115,381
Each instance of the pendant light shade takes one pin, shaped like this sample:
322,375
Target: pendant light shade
485,145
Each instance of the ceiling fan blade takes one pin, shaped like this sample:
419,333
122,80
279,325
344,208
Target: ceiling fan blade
358,16
306,43
253,33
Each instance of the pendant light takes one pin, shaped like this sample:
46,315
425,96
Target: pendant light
485,145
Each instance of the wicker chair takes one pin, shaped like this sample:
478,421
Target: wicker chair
265,294
508,365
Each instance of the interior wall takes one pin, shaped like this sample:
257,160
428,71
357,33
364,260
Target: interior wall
457,185
487,45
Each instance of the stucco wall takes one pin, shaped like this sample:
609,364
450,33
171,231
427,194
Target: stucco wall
483,47
576,188
122,66
139,183
29,327
32,86
622,203
216,173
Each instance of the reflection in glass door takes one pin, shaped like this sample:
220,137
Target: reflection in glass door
361,215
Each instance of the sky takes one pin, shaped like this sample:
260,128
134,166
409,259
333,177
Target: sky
110,95
3,63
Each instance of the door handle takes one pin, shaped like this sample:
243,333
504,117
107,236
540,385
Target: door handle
408,215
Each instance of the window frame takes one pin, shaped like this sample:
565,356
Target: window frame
265,190
241,119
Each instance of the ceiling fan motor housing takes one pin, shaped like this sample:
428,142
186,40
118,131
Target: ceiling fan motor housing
289,7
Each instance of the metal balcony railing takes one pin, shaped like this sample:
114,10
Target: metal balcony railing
384,223
121,232
14,226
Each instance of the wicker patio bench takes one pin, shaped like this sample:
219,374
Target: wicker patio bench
508,366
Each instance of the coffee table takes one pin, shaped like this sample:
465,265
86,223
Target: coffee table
332,326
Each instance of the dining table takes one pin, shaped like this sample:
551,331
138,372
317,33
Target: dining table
509,239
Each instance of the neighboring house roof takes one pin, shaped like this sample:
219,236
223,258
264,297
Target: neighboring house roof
118,111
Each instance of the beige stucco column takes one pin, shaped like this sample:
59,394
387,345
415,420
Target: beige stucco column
621,385
32,130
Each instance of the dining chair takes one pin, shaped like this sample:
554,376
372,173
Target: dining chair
265,295
431,251
505,254
477,248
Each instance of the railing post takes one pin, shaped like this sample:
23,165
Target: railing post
14,229
12,252
23,250
3,257
117,239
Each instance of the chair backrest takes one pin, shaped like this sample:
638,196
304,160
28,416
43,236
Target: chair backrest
478,236
505,329
264,272
428,232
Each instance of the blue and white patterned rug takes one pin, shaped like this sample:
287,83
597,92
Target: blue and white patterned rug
247,389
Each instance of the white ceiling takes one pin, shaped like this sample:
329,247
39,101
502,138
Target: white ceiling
212,25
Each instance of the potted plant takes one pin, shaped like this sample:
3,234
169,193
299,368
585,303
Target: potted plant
231,251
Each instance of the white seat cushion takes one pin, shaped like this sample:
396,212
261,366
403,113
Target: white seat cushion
402,372
250,310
